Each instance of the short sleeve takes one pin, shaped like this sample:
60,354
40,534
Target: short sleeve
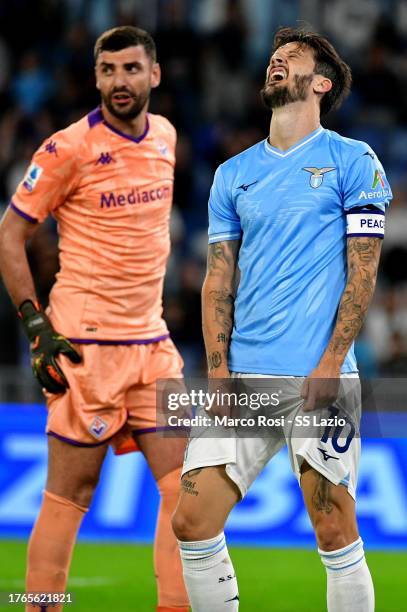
48,180
366,195
224,222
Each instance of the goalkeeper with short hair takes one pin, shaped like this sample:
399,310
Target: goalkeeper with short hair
101,346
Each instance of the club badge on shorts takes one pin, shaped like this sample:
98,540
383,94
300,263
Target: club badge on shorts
98,427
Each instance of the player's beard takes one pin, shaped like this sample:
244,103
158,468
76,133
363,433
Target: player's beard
130,112
277,96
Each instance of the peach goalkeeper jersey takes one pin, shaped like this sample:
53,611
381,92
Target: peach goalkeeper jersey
111,195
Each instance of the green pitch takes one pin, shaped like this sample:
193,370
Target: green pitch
110,578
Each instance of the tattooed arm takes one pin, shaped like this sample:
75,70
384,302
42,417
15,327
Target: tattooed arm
218,296
363,259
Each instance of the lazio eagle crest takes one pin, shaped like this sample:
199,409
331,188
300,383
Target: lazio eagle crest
317,175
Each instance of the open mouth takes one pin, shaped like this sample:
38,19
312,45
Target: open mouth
278,74
121,98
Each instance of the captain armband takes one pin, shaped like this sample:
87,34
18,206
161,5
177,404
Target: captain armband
368,222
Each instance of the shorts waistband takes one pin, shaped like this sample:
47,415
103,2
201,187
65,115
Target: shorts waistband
118,342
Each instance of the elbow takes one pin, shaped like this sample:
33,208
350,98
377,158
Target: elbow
205,287
218,284
205,292
9,246
218,296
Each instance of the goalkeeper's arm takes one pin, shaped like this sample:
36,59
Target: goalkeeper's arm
45,343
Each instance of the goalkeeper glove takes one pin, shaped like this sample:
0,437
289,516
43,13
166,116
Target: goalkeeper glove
46,344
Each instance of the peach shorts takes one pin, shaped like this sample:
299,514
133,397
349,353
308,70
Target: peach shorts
111,393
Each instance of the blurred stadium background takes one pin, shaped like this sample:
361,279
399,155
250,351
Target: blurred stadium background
213,54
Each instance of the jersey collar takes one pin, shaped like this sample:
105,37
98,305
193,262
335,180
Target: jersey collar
96,116
270,149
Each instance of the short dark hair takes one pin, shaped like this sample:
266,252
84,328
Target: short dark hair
327,62
122,37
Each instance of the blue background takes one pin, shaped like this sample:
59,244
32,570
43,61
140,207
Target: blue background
125,504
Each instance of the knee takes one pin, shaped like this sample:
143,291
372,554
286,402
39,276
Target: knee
41,567
184,526
190,527
330,534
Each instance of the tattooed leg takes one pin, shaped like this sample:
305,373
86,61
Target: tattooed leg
198,524
207,496
332,513
321,497
189,483
330,508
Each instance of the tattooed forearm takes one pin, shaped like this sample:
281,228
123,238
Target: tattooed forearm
214,360
219,315
222,303
218,298
321,496
363,259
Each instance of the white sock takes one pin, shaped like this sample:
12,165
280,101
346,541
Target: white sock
349,583
209,575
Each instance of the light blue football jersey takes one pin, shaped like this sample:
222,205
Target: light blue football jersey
293,211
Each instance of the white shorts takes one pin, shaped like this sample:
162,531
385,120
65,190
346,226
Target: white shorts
333,451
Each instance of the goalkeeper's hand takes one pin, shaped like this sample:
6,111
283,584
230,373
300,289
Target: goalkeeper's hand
46,344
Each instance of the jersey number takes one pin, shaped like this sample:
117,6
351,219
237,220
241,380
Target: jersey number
337,432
